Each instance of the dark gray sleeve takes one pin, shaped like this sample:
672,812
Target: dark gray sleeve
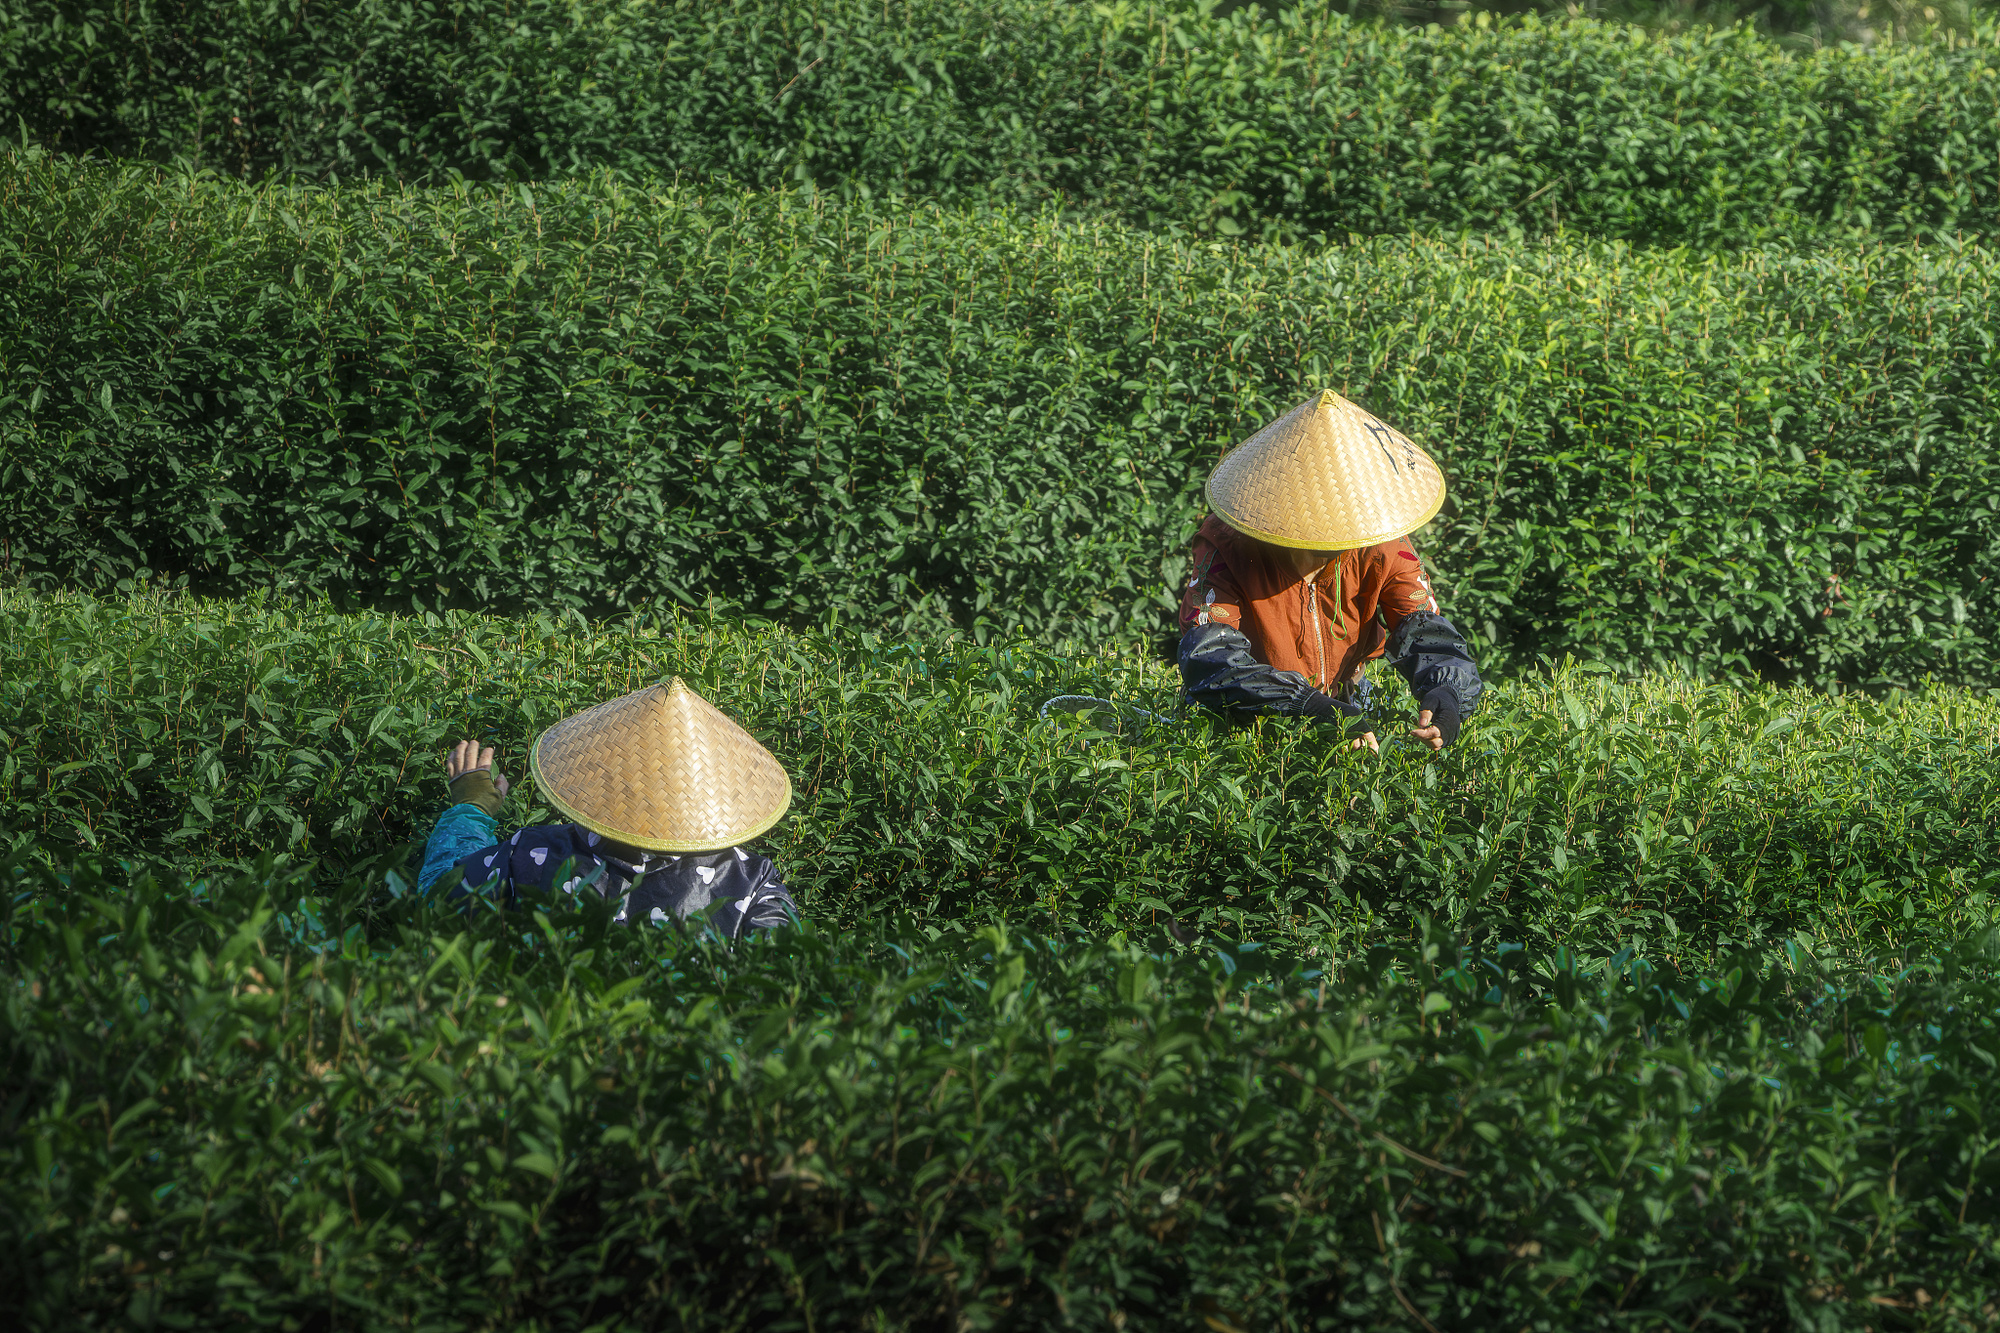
1218,671
750,896
1430,653
771,908
732,890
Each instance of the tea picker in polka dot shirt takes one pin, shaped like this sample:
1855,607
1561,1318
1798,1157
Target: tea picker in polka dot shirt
662,791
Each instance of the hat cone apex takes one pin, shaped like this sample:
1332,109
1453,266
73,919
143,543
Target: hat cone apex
661,769
1326,476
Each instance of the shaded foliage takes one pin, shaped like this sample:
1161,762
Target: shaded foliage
1298,123
234,1104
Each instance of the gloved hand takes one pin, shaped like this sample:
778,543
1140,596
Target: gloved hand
475,777
1437,725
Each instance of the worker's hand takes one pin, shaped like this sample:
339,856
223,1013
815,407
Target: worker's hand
468,757
1366,738
1425,732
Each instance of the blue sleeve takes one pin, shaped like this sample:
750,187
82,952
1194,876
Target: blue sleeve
461,831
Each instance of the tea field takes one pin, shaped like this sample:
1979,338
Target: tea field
377,375
1658,815
1775,462
1280,122
1648,1001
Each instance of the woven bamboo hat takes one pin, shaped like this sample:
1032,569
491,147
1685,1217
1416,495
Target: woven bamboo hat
1326,476
661,769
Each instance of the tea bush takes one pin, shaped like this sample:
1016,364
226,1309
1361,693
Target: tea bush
1650,1001
595,396
233,1104
1305,123
1660,815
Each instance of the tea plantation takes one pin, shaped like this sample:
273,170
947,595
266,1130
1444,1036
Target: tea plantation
373,376
1778,462
1290,122
1650,997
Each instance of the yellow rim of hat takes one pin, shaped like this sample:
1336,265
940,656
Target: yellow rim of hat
663,770
1326,476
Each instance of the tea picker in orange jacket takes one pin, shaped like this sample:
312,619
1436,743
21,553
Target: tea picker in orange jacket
661,790
1303,572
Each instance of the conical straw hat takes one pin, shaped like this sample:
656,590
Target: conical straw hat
663,770
1326,476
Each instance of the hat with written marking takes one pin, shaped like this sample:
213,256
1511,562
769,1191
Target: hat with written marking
661,769
1326,476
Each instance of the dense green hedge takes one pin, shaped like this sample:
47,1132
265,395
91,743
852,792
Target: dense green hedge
240,1107
1303,124
1657,815
588,395
307,1097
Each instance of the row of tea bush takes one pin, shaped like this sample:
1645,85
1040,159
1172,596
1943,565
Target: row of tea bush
1660,815
236,1104
596,396
1302,122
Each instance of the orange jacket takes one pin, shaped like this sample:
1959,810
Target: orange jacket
1325,626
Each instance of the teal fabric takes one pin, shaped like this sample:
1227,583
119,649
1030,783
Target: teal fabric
461,831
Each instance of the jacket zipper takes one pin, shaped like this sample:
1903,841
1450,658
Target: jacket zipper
1312,614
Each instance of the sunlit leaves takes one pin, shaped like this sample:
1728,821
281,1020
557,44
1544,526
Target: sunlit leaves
908,419
1659,813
